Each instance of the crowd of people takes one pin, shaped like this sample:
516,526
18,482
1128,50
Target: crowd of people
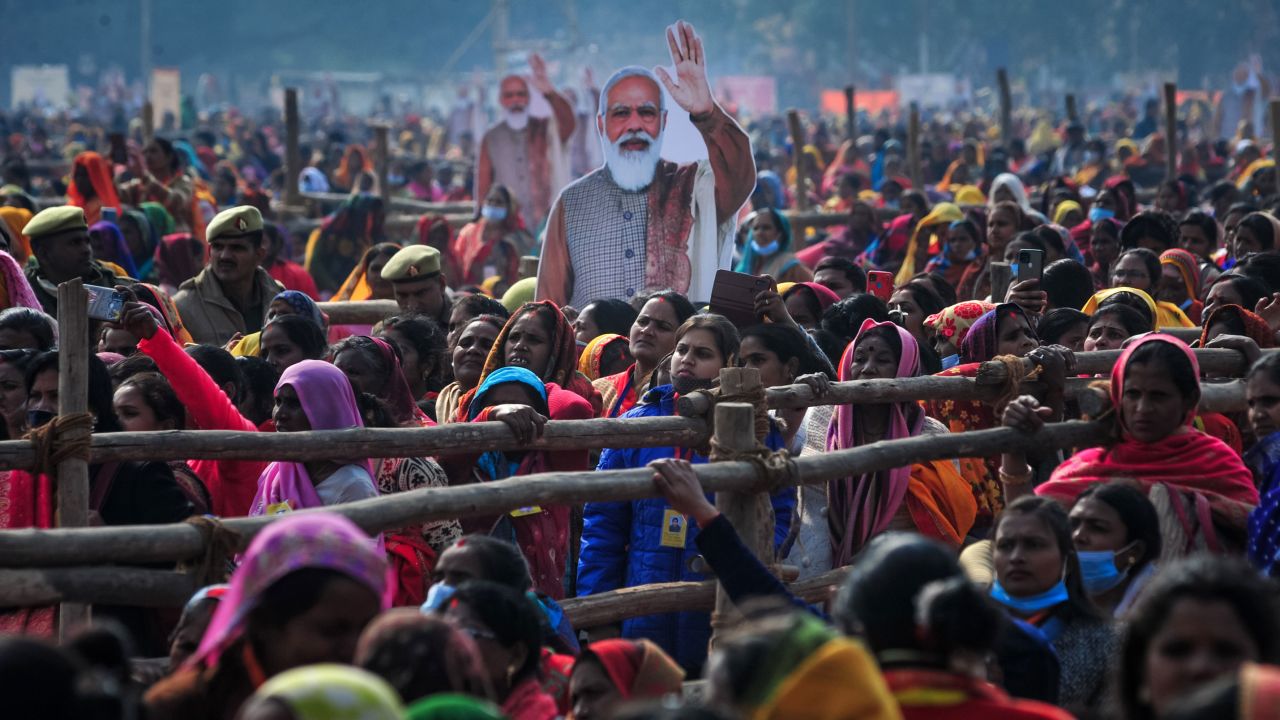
1130,580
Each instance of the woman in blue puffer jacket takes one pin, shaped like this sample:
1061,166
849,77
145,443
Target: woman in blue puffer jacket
625,544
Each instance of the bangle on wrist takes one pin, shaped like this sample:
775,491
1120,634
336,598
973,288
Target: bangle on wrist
1016,479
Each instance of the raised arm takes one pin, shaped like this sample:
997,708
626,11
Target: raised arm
565,121
206,404
728,147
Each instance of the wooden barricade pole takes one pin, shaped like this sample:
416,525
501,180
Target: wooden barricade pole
1072,113
72,478
380,153
528,266
913,148
148,121
292,155
749,513
797,143
850,114
1275,130
1171,131
1006,107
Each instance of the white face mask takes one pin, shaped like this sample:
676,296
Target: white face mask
632,170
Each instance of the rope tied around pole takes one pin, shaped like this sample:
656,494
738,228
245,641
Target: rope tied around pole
774,468
65,437
1015,374
220,544
759,405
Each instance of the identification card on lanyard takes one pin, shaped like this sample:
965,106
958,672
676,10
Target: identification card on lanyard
280,508
526,511
675,529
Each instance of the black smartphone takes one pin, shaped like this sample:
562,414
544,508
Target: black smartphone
105,303
1030,264
119,151
733,295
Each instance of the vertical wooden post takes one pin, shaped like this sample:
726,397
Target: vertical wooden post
380,160
148,120
914,166
1006,108
292,154
72,479
850,114
751,514
1072,113
1171,131
797,142
1275,130
528,266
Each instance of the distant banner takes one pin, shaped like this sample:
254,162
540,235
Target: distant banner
748,94
166,95
44,85
927,90
872,102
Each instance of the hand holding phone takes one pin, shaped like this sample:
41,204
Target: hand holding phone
105,303
1030,264
880,284
733,295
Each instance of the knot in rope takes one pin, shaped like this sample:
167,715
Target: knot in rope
774,469
65,437
1015,374
220,545
759,405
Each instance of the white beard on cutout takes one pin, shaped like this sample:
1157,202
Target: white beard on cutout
517,119
632,169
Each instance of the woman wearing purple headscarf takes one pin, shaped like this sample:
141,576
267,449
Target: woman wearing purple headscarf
313,395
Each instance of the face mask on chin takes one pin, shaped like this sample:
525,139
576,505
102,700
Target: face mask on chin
685,385
437,595
38,418
769,249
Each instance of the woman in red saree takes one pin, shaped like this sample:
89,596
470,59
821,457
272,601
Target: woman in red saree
492,243
516,396
538,338
1200,486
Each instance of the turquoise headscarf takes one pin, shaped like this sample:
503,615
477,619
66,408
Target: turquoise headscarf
749,255
506,375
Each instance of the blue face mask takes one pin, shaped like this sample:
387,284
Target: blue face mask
769,249
37,418
1098,214
493,213
437,595
1098,571
1055,595
950,361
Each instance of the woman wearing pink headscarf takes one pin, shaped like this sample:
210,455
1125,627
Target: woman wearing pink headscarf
15,291
301,572
929,497
313,395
